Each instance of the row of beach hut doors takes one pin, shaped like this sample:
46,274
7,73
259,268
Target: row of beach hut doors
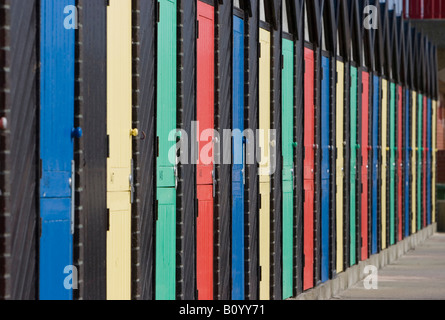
57,134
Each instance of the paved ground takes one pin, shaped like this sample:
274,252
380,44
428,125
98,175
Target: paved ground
418,275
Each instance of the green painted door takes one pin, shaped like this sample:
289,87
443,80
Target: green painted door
166,160
288,165
353,168
419,159
392,161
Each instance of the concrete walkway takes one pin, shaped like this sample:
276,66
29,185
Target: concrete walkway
418,275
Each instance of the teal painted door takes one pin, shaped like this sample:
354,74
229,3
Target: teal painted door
353,169
288,165
166,159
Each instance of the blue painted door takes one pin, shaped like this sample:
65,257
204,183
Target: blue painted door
325,149
375,160
238,161
428,163
407,165
56,149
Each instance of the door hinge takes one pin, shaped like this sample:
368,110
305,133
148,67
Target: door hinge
304,260
259,49
108,146
282,62
156,210
196,208
260,273
157,147
197,29
108,219
304,196
107,3
158,12
40,168
40,227
260,200
322,74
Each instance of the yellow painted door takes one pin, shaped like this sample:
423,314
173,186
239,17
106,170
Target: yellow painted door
384,156
264,166
119,160
434,147
413,162
340,162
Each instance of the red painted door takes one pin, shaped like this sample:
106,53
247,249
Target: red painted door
365,150
204,168
399,160
429,9
309,146
437,9
425,146
442,9
416,9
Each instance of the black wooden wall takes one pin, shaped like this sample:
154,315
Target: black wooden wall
186,192
18,149
276,159
223,120
299,134
91,151
4,112
252,181
144,77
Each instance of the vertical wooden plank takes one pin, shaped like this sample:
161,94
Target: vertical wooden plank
143,207
264,164
223,171
288,147
340,163
384,140
186,191
353,165
205,166
399,150
18,149
392,162
325,167
119,117
375,161
309,167
419,160
365,164
166,124
91,152
252,179
238,166
57,58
